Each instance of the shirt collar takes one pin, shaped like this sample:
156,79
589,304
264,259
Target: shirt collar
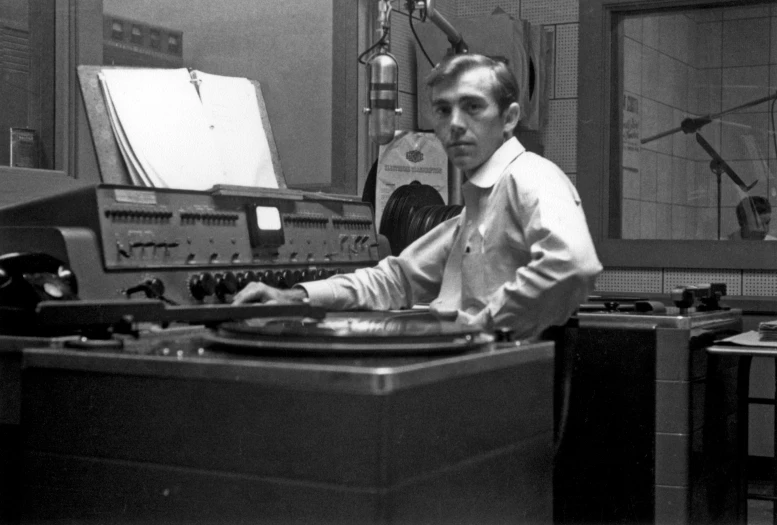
488,173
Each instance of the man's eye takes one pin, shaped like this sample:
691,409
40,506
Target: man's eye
442,111
472,107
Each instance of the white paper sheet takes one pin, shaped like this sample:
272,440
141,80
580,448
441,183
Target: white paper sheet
232,110
165,126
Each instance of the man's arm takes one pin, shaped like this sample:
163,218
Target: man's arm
411,278
396,282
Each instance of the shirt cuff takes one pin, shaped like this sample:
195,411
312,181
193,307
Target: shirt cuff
320,293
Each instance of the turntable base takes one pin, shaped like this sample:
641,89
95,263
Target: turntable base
191,435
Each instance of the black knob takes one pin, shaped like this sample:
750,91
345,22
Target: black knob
503,335
611,306
321,274
226,284
202,285
155,287
269,278
243,278
286,279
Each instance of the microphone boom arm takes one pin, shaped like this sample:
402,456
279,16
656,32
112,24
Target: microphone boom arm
692,125
718,161
454,37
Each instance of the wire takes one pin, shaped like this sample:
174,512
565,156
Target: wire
415,35
410,6
773,130
380,42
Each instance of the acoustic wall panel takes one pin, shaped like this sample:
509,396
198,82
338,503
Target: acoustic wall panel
487,7
560,134
629,280
554,12
674,277
566,61
759,283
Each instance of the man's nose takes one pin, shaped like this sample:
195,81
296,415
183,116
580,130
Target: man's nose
458,122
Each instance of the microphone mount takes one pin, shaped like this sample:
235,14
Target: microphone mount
458,45
692,125
718,165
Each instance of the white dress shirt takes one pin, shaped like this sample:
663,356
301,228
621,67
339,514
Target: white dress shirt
519,256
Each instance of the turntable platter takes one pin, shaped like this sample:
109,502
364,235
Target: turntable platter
392,334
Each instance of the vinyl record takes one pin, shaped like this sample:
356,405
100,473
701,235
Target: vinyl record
399,210
393,334
426,218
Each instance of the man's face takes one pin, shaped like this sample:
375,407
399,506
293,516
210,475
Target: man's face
467,119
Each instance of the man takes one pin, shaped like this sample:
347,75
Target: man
754,215
519,257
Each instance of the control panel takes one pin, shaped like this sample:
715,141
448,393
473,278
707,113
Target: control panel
194,247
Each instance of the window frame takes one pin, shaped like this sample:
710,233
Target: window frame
598,155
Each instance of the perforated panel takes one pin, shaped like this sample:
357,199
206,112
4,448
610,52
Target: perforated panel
560,135
407,120
447,8
759,282
685,277
487,7
550,12
403,49
549,55
629,280
566,60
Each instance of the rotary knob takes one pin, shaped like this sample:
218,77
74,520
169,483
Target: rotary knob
269,278
243,278
202,285
226,284
155,286
286,279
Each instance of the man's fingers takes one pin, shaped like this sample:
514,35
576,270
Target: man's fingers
252,293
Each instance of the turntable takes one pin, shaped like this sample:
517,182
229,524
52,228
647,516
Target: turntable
409,334
359,417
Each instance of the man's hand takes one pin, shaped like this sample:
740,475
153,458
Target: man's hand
261,293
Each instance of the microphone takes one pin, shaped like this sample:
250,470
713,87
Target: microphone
383,74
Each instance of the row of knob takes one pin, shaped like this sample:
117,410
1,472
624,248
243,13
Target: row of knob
207,284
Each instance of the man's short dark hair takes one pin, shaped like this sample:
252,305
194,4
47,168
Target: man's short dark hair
504,87
756,202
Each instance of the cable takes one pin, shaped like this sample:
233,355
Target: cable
773,130
380,42
410,6
412,28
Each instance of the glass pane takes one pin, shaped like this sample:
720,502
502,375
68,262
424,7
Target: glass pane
289,51
26,59
695,105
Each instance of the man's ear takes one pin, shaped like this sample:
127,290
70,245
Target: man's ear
510,118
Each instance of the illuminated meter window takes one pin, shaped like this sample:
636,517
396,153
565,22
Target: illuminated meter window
136,35
117,30
265,226
155,39
268,218
173,45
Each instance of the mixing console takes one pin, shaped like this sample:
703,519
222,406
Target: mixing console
193,247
